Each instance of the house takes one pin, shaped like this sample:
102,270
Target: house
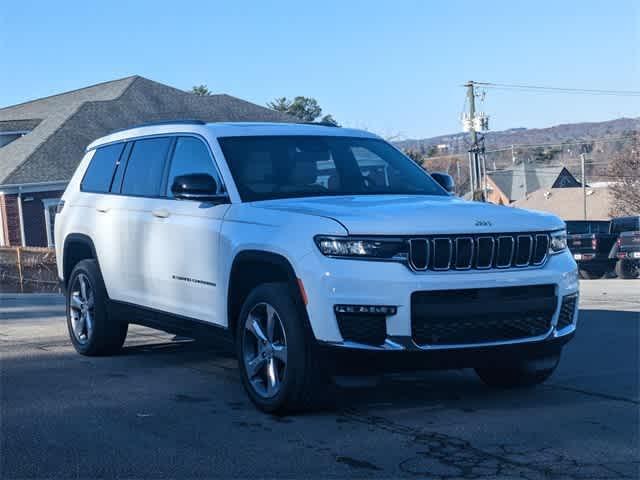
568,203
42,141
510,185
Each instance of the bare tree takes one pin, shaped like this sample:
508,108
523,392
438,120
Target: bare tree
624,171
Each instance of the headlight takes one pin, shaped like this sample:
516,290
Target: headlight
558,241
353,247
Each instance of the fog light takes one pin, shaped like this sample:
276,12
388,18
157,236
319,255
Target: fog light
368,309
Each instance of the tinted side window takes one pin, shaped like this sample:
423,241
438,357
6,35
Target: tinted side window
98,176
145,168
190,156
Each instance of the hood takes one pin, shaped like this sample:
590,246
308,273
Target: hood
411,214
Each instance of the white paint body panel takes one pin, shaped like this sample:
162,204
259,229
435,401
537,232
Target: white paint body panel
141,254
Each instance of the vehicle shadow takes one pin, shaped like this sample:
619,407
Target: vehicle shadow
605,347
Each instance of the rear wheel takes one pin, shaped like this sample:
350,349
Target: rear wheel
91,330
526,374
627,269
277,361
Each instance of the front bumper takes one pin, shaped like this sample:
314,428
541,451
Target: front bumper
330,282
342,360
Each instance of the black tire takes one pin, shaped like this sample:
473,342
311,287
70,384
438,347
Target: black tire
107,334
627,269
527,374
302,379
590,274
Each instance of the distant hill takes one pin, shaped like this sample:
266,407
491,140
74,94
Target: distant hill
458,142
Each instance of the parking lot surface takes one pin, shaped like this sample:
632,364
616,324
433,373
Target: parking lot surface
176,409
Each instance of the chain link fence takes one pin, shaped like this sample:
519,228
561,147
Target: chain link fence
28,270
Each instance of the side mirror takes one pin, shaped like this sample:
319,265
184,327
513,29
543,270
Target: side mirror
196,186
444,180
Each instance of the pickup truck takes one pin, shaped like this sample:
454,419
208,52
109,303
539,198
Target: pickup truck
626,250
590,243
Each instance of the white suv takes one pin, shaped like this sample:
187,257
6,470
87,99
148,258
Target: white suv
319,251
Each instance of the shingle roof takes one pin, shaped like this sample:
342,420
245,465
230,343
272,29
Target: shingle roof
523,179
567,202
63,125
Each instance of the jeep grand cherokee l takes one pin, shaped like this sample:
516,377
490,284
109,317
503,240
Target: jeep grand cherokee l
317,250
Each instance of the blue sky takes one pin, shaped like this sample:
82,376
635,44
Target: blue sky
391,67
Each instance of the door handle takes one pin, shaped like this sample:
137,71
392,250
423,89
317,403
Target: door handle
160,213
102,209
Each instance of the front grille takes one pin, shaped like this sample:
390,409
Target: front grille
567,311
363,328
482,315
480,252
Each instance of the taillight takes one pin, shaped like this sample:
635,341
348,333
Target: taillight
60,206
594,242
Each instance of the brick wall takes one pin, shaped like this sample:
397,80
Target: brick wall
11,220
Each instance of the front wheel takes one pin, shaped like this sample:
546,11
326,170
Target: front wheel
627,269
277,361
590,274
526,374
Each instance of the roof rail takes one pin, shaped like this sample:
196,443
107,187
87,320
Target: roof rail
169,122
161,122
320,124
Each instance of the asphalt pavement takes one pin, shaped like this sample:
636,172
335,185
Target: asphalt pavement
176,409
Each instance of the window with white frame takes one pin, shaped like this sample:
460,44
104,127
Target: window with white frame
50,207
7,137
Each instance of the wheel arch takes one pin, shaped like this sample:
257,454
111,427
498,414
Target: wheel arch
77,247
251,268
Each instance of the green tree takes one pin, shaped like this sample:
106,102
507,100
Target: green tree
305,109
329,119
200,90
281,104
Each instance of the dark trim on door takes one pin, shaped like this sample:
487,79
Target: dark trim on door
171,323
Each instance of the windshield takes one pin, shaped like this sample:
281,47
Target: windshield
625,224
579,227
269,167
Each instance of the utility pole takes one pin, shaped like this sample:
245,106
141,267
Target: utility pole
584,187
475,167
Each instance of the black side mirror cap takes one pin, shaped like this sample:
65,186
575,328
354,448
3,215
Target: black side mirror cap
444,180
197,186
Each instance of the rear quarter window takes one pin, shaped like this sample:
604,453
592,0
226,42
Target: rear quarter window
97,178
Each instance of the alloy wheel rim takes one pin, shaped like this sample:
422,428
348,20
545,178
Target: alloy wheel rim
81,308
264,351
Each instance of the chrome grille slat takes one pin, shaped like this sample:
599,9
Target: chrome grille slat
478,252
541,243
419,253
438,244
479,248
521,241
503,251
462,263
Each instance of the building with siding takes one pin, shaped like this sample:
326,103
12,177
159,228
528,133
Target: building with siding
513,184
569,203
42,141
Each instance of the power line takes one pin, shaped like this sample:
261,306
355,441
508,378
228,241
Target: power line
580,91
540,145
586,142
